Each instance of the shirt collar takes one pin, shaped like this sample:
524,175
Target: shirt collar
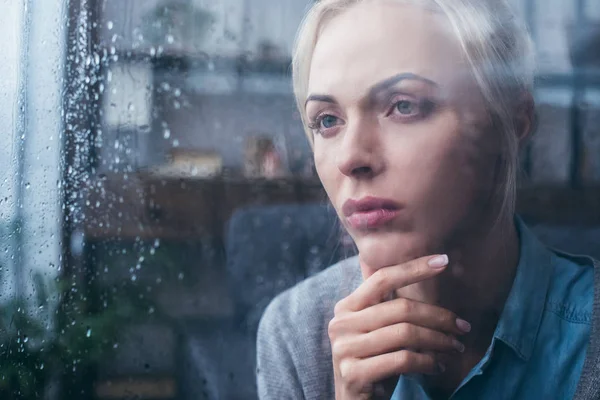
520,319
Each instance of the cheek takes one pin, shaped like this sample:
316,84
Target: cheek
325,166
444,172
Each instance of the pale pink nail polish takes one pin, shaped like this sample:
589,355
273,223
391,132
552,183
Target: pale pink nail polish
438,262
463,325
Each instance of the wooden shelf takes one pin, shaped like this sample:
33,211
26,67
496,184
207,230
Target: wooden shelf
147,207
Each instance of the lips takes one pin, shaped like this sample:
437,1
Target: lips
370,212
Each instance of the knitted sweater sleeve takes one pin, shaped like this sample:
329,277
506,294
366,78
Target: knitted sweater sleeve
277,369
293,348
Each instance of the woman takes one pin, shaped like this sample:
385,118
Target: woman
416,111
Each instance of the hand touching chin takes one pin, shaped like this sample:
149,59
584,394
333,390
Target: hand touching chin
380,251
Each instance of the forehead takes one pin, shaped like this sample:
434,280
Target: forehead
374,40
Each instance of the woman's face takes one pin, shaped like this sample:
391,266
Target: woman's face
402,142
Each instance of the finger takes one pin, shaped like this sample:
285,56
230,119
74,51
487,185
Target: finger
378,286
411,311
365,372
395,337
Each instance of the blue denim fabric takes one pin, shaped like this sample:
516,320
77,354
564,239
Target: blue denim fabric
540,342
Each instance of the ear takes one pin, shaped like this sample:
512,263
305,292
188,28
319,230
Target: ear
525,118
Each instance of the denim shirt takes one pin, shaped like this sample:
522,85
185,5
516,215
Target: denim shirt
540,342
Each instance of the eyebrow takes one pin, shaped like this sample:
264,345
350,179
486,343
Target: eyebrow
377,88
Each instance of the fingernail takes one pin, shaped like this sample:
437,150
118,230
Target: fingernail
458,346
441,367
463,325
438,262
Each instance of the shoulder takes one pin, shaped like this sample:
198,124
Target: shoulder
571,291
313,299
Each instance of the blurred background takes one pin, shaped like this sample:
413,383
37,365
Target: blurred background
156,188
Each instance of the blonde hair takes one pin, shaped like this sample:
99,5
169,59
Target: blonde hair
496,45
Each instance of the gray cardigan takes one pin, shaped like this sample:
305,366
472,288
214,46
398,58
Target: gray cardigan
293,344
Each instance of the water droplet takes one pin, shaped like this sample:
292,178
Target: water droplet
151,310
25,339
170,38
167,133
180,276
133,278
175,143
109,25
89,332
27,185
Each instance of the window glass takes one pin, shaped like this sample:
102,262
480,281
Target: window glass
157,189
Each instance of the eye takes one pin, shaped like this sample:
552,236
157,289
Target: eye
328,121
408,109
405,107
324,123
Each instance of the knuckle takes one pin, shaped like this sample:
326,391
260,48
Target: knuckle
348,372
339,308
402,360
404,307
449,317
339,349
404,330
448,321
333,328
416,265
338,324
381,279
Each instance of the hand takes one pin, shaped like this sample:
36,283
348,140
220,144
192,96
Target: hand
374,341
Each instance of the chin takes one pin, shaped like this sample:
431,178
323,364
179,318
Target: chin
378,250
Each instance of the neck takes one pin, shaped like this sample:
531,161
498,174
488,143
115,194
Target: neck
478,279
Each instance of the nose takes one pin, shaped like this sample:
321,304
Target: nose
359,155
